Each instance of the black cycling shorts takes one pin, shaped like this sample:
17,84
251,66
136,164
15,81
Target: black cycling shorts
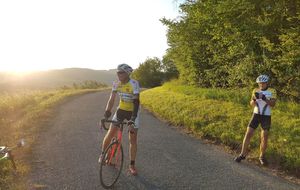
263,120
121,115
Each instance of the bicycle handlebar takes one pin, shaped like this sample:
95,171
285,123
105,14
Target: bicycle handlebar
103,121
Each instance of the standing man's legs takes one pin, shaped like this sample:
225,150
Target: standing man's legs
266,125
263,142
246,141
263,147
253,124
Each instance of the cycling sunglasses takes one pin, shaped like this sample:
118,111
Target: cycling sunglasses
121,72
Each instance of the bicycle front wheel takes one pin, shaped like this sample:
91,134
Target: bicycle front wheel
111,164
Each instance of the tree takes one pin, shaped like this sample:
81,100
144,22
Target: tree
149,74
229,43
169,69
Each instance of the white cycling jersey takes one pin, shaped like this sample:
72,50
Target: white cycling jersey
261,107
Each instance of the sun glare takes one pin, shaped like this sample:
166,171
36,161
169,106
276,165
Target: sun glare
19,71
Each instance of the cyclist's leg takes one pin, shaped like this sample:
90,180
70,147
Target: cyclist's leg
246,141
133,151
265,124
253,124
112,132
109,135
263,142
133,146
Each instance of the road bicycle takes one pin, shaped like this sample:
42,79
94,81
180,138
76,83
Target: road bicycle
6,153
112,160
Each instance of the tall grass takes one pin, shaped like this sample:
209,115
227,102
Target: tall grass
223,115
22,113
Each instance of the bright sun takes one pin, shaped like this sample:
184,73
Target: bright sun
19,70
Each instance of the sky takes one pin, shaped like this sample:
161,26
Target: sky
40,35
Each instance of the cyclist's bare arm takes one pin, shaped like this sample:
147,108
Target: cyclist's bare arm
252,101
111,101
136,105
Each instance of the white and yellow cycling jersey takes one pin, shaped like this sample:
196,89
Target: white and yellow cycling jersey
261,107
127,93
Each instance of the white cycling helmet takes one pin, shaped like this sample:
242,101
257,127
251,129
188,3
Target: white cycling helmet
125,67
262,78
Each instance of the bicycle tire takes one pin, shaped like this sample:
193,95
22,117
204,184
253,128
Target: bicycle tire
111,165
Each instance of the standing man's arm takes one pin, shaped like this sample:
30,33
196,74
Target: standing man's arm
253,102
253,99
272,100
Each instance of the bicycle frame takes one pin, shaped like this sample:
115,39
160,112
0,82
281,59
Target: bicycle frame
113,156
7,151
7,155
116,148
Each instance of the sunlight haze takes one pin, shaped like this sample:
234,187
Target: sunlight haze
43,35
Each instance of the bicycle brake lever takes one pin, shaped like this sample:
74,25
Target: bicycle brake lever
102,123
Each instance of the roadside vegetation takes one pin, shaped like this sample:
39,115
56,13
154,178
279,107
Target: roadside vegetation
22,114
216,51
222,116
225,44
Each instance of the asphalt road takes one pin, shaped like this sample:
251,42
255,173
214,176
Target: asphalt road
65,157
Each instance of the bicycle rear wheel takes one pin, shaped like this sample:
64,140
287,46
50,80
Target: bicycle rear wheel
111,164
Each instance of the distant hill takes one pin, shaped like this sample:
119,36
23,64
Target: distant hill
54,78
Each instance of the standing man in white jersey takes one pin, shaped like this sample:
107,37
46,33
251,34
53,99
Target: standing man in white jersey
128,90
263,98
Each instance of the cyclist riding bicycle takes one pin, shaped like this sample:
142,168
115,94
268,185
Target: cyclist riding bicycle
128,90
263,98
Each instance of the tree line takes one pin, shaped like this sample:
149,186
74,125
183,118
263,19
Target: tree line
228,43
